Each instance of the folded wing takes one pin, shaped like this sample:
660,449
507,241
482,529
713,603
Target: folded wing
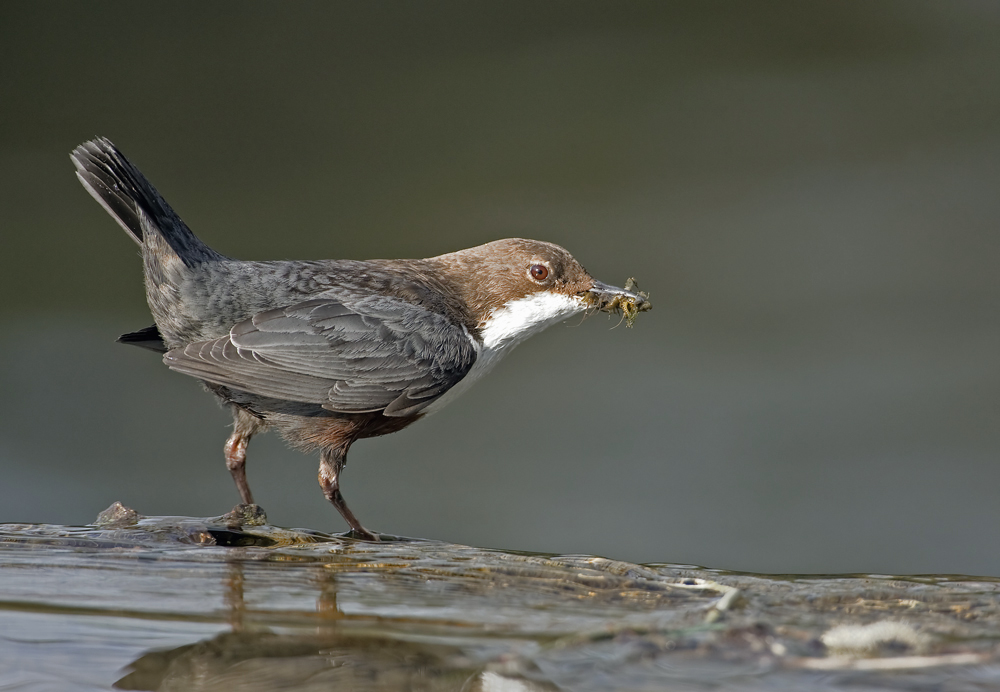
378,354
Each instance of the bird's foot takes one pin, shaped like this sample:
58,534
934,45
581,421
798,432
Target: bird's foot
360,533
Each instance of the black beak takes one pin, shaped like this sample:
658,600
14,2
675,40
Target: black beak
629,300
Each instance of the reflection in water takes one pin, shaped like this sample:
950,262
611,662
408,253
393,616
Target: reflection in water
279,609
234,596
266,660
253,658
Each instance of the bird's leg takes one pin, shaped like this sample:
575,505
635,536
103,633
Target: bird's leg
331,463
244,426
236,462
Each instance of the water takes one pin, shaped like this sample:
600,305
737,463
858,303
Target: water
173,603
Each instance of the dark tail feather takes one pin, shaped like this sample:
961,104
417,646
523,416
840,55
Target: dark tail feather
145,338
133,202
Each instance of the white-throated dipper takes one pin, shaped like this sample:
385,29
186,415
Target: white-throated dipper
327,352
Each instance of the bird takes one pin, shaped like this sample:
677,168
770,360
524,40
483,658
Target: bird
327,352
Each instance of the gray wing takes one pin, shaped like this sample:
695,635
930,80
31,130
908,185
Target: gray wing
379,354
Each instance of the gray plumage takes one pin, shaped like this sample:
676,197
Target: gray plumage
381,354
305,331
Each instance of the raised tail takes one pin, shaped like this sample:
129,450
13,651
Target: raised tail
133,202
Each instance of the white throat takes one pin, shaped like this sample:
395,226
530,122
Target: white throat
506,327
511,324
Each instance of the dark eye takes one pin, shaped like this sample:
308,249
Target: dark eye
539,272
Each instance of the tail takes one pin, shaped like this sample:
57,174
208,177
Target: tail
133,202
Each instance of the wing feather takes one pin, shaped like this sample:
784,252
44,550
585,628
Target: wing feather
376,354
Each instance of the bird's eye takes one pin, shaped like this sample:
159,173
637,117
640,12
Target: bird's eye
539,272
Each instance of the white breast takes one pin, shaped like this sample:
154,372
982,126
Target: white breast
508,326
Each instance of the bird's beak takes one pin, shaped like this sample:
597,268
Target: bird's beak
629,300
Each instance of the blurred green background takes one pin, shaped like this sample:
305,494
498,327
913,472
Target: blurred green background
809,192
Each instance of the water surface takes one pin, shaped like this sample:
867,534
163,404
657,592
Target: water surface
173,603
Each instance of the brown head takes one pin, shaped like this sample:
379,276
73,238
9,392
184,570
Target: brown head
490,276
516,287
